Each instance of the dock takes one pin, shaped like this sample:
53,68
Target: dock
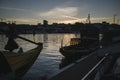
90,67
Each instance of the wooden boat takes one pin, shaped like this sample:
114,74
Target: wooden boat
18,63
78,47
78,50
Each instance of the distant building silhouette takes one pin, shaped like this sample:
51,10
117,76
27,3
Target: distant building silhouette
45,22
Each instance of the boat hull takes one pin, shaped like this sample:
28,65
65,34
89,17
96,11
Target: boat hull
21,62
75,51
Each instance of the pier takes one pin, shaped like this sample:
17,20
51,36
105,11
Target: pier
91,67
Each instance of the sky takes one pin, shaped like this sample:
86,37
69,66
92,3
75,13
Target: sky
59,11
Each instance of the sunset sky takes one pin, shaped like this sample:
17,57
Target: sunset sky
59,11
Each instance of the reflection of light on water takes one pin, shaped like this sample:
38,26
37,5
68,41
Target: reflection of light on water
50,57
48,61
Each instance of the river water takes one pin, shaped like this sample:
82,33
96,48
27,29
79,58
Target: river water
49,59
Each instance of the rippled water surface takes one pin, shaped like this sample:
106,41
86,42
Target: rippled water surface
49,59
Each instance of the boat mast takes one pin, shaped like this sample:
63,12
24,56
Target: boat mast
114,16
88,19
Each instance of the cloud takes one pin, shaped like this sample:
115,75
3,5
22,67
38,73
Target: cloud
23,20
71,17
100,18
60,13
73,21
66,15
10,8
84,20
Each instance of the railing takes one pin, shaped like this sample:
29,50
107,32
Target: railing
97,71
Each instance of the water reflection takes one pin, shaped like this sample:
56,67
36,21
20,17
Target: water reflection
48,61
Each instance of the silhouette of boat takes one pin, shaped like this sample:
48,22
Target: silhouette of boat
18,63
78,50
78,47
